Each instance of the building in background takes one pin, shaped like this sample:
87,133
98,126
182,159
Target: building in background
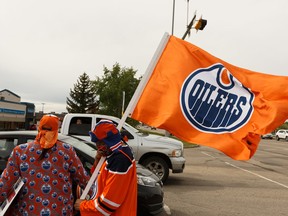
17,115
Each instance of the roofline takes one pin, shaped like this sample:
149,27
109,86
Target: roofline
10,92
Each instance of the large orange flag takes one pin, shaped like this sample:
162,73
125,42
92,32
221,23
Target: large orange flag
204,100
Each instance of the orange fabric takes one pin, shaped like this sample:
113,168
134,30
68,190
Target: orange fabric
102,130
116,190
192,99
47,138
49,121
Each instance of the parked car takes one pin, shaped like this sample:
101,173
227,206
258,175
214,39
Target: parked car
267,136
150,191
282,134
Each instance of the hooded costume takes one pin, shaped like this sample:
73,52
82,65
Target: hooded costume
117,182
48,131
47,188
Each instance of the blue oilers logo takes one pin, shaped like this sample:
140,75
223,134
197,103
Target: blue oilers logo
45,212
45,202
46,188
54,171
24,167
38,199
65,189
23,157
214,101
46,165
46,178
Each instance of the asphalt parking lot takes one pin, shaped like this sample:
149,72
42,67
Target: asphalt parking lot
213,184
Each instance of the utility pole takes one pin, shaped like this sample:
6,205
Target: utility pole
43,107
173,14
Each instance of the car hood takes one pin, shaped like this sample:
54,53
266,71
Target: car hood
162,139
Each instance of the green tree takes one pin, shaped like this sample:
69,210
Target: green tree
111,87
83,98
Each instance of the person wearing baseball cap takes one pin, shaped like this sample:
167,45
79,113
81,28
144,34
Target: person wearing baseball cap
117,181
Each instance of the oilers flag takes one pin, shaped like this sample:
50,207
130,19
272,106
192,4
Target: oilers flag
204,100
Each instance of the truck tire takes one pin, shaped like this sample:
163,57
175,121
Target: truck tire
277,138
158,166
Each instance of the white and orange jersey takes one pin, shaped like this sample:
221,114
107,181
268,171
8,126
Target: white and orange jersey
116,187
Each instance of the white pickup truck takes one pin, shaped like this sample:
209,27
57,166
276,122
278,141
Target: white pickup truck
157,153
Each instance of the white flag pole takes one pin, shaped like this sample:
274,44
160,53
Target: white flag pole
132,104
138,92
92,179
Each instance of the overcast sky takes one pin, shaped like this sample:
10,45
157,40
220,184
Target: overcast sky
46,45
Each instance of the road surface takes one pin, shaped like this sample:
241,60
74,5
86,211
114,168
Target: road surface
215,185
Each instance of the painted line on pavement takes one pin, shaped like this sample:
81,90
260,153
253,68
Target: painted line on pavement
260,176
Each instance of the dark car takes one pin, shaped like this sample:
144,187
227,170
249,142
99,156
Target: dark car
267,136
150,191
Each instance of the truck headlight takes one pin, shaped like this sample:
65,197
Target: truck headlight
177,153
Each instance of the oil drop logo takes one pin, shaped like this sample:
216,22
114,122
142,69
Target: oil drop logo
214,101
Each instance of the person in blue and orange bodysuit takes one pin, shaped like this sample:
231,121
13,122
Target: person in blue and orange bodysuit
47,168
117,182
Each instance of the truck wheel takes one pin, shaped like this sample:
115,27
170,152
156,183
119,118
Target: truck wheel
286,138
277,138
158,166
